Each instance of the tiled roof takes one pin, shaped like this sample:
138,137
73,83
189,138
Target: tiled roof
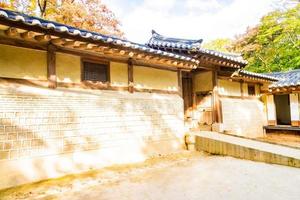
286,79
158,40
166,43
257,75
31,21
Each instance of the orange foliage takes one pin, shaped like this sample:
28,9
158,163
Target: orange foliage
91,15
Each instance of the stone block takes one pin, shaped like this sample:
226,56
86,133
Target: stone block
4,155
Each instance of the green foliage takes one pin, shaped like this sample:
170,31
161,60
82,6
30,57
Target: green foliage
222,44
273,45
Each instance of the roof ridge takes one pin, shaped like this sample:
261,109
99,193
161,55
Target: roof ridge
159,36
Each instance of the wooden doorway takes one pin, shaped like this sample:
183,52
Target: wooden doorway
204,108
187,93
283,112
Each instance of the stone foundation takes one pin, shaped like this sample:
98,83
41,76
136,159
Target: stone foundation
243,117
49,133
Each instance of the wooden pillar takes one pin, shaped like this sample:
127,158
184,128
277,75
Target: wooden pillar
294,106
242,88
271,111
51,66
130,76
217,118
179,79
194,102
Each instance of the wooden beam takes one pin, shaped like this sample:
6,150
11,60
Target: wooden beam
242,89
22,43
238,97
154,91
51,66
179,78
130,76
217,118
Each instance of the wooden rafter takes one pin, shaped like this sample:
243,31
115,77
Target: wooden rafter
11,32
28,35
42,38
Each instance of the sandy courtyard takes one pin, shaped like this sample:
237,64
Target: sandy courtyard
183,176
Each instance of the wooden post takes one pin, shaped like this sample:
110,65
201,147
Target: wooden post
216,101
130,76
271,111
242,88
294,109
51,66
193,91
179,78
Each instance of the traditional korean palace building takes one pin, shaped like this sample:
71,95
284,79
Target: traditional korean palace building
283,101
219,95
73,100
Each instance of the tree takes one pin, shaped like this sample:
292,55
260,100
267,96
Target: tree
222,44
92,15
274,44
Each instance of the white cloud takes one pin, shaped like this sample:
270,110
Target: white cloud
188,19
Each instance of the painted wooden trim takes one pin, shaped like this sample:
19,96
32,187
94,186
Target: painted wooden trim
272,122
51,66
92,85
295,123
36,83
238,79
82,85
239,97
155,91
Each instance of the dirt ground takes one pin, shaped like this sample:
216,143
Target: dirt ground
179,176
285,138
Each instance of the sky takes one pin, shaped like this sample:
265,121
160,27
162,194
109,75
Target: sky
192,19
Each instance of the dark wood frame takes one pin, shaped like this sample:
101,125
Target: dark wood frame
130,76
95,61
51,66
251,85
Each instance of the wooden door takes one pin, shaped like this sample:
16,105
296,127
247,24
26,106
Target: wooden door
187,94
204,108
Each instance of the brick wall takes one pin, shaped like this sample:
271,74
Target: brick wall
39,123
244,117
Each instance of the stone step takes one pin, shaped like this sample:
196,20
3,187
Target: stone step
221,144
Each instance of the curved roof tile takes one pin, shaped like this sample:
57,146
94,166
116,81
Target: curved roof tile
160,41
286,79
58,27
